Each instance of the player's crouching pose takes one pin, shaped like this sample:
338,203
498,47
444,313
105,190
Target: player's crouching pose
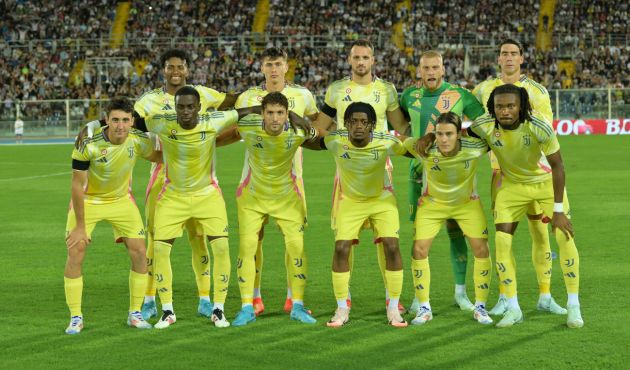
449,193
360,155
525,144
101,179
269,188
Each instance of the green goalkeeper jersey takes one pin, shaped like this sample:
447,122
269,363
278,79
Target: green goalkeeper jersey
424,107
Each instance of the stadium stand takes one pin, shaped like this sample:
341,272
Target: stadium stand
68,55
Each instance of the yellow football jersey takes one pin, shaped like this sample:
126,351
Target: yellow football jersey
380,94
158,101
110,166
538,99
360,170
269,171
301,101
538,95
188,154
520,152
450,180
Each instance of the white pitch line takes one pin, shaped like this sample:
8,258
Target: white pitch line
34,177
34,163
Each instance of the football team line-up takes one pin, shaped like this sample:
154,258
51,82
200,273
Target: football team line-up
177,127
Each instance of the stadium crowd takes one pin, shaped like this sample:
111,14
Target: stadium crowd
43,69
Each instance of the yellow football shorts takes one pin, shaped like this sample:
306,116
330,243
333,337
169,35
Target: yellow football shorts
288,211
432,215
514,199
495,186
122,214
382,213
174,210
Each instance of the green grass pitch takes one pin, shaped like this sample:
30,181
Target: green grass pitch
35,183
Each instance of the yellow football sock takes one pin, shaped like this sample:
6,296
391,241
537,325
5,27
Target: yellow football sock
394,283
341,284
137,286
482,275
288,262
246,268
221,268
570,262
421,273
297,267
541,254
200,263
505,265
74,292
162,270
151,283
259,265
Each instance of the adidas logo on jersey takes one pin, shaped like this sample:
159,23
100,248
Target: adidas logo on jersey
102,160
167,107
345,155
258,145
173,136
347,98
497,143
436,168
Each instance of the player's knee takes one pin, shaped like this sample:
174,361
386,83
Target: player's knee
220,247
295,246
480,249
247,247
420,252
390,246
342,249
77,251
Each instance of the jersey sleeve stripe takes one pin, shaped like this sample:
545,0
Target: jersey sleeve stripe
543,126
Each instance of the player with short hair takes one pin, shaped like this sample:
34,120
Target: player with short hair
510,59
274,66
363,86
423,105
449,193
101,183
269,188
361,154
176,68
517,137
190,192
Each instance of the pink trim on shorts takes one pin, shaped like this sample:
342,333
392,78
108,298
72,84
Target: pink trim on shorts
500,174
545,168
239,190
166,182
152,180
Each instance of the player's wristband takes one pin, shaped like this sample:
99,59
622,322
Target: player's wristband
558,208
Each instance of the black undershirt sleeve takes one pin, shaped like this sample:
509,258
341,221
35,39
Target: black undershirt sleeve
138,122
329,111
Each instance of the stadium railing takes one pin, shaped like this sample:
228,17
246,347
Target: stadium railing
63,118
380,39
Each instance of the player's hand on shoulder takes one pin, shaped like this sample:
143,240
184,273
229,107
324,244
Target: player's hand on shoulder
298,122
562,222
424,143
